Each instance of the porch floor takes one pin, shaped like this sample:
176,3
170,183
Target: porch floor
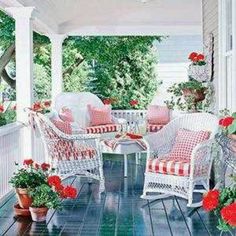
117,212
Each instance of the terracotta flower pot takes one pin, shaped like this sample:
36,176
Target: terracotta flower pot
38,214
21,211
198,95
23,197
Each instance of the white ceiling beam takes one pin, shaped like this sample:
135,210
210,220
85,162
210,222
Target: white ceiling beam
39,25
134,30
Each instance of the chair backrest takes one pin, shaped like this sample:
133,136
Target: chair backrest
78,102
195,122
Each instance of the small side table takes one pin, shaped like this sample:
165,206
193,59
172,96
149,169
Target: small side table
125,148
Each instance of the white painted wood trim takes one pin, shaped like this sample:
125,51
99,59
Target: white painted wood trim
56,63
234,57
10,128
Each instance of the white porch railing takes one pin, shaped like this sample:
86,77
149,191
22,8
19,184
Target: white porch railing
10,153
130,115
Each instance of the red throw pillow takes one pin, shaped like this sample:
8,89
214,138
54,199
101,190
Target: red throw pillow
158,115
66,115
100,116
185,142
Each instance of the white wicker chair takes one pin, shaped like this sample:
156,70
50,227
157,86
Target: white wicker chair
70,154
200,164
78,102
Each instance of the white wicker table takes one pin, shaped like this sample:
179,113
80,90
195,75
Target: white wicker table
124,147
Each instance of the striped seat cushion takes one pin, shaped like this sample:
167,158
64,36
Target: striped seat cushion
103,129
169,166
154,128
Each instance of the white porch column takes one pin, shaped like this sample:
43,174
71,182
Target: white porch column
56,64
24,69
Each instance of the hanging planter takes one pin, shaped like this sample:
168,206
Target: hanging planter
199,72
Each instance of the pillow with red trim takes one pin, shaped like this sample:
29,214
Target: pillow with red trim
158,115
185,142
66,115
100,116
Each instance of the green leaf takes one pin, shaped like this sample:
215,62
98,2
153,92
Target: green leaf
234,115
232,128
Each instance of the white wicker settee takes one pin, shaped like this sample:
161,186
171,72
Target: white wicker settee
77,103
199,164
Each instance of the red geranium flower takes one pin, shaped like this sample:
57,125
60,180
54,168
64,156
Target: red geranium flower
195,59
45,166
133,103
37,106
54,180
221,121
107,101
200,57
59,188
14,107
211,200
69,192
227,121
28,162
228,213
36,166
47,103
192,55
1,108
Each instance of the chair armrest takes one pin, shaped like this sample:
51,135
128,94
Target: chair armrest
160,142
201,159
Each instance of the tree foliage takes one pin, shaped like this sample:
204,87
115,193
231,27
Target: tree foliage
122,68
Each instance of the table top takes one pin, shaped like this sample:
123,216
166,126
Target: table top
123,146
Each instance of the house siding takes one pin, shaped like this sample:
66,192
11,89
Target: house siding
173,54
210,16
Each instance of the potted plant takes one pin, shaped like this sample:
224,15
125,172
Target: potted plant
42,106
198,69
48,196
29,176
188,96
228,125
7,115
228,128
223,204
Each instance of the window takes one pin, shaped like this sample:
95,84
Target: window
227,84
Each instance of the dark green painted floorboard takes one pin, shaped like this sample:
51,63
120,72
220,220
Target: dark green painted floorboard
117,212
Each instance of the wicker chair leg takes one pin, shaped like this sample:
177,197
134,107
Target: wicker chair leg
190,194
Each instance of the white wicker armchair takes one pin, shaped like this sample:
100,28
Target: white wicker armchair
70,154
78,102
200,163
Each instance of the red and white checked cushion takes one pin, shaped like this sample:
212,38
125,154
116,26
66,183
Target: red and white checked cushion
103,129
61,149
169,166
154,128
64,127
185,142
100,116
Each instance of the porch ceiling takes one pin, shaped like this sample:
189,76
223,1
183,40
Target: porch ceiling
114,17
